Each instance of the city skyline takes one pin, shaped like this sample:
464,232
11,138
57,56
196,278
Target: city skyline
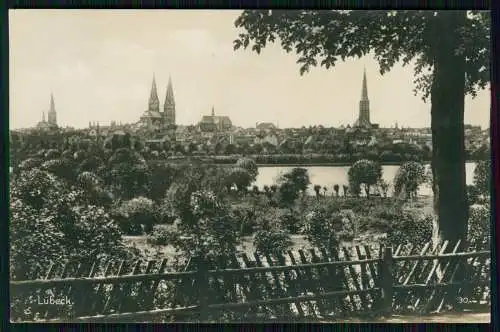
101,72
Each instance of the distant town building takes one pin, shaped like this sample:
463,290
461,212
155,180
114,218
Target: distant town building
215,123
153,120
265,126
51,122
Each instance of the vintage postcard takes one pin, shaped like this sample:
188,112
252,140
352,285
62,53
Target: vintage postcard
249,166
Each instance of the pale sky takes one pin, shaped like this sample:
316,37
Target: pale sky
99,65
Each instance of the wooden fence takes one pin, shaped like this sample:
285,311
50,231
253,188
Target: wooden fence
304,285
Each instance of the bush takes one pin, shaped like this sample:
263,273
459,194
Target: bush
160,236
49,221
272,242
479,234
135,214
327,226
364,172
411,229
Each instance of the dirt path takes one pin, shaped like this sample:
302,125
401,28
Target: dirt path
473,318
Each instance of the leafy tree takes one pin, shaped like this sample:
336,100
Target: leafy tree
408,178
450,52
210,233
364,172
327,226
249,165
346,190
317,189
240,177
298,177
162,176
482,177
336,189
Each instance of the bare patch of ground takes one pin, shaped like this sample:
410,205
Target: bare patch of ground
461,317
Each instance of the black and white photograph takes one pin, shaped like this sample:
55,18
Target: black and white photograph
248,166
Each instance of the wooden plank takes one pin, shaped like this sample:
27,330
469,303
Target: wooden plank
256,288
99,294
436,256
303,282
335,283
343,275
85,292
154,286
58,292
281,290
140,303
292,287
125,292
313,283
404,266
431,273
365,283
352,272
440,279
114,290
270,290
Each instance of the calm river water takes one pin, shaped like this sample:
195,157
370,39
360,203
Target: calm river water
330,175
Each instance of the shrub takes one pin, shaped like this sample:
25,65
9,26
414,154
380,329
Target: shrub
364,172
409,177
411,229
479,234
272,242
327,226
482,177
159,236
250,166
137,213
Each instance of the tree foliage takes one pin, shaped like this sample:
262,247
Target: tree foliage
408,178
324,37
364,172
482,177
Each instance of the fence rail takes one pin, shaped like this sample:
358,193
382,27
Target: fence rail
307,284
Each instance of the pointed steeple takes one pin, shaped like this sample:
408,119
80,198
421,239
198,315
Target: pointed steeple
52,104
43,116
51,114
154,102
169,106
364,90
213,111
364,106
169,98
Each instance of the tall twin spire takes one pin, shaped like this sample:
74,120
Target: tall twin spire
169,105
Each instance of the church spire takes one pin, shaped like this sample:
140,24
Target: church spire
52,104
364,90
169,106
51,114
364,105
43,116
213,111
169,98
154,102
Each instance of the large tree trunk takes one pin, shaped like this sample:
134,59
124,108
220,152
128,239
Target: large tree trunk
447,123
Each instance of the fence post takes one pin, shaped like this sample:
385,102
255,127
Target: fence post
385,281
202,286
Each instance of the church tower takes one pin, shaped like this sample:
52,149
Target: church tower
169,106
154,102
364,106
52,115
